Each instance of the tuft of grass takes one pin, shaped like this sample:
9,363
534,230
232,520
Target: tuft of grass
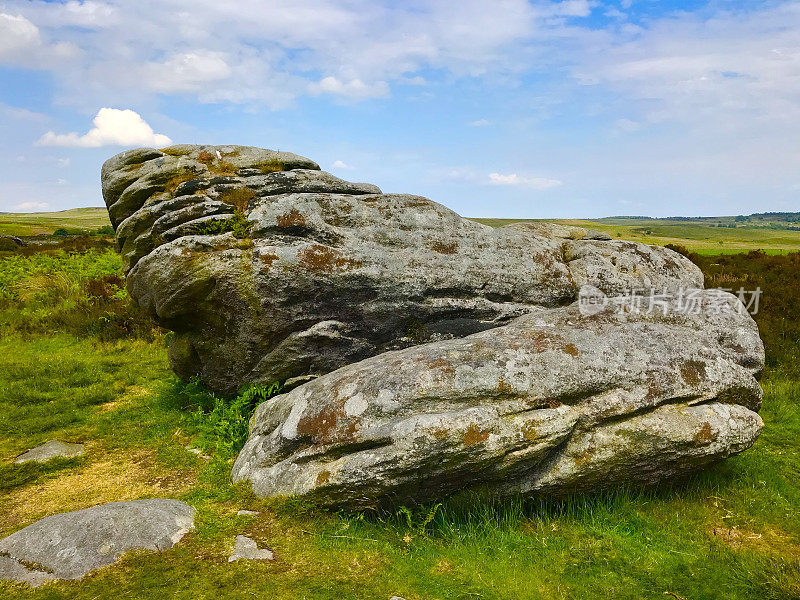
221,425
17,475
270,166
239,198
237,224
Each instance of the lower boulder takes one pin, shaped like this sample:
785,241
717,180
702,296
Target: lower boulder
556,401
69,545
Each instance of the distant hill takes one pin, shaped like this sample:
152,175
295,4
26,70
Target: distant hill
74,220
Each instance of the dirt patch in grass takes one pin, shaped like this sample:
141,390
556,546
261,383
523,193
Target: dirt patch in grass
767,541
110,477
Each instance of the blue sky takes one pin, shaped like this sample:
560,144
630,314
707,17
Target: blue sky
506,108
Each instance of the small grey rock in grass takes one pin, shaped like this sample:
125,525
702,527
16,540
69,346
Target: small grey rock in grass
247,513
50,450
69,545
591,234
12,570
246,548
397,598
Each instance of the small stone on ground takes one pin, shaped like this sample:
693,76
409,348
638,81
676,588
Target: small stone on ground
69,545
50,450
247,549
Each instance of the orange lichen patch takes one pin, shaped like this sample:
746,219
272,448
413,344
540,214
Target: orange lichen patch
706,434
654,391
205,157
324,259
442,248
440,433
693,371
553,403
473,435
323,477
321,426
503,387
444,365
291,219
544,341
268,259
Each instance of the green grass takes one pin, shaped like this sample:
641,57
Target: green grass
698,236
75,220
731,532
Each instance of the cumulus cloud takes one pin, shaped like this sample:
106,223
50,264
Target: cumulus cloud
480,123
340,164
21,44
514,179
112,127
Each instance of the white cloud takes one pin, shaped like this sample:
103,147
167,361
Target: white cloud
32,206
737,68
185,72
513,179
258,51
17,36
476,177
573,8
354,89
480,123
21,44
62,162
112,127
338,164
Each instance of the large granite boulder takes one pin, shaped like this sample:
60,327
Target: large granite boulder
532,358
70,545
267,268
556,401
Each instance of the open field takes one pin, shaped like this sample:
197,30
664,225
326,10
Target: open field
78,362
74,220
701,235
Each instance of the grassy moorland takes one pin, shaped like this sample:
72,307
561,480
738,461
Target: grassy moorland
717,235
78,362
74,220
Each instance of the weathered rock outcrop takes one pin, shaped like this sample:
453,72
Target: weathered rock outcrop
449,354
555,401
267,268
69,545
